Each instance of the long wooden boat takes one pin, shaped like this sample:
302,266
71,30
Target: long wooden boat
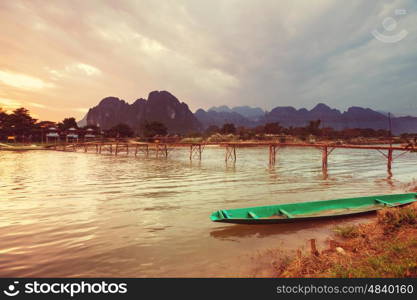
293,212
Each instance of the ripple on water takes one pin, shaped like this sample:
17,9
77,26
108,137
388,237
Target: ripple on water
72,214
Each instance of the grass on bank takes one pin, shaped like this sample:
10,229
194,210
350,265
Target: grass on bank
384,248
349,231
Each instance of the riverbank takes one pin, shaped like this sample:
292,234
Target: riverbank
386,247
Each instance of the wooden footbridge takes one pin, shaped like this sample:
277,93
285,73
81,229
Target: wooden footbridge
162,150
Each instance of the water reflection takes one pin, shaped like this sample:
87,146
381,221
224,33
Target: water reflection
389,178
261,231
325,174
230,166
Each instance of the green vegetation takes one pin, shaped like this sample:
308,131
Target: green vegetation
386,247
396,218
19,122
398,260
218,138
67,123
24,128
228,128
272,128
348,231
192,140
276,131
119,131
151,129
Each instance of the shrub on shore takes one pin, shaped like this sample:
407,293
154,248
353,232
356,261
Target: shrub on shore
217,138
192,140
349,231
394,218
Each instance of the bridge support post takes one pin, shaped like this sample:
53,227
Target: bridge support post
163,149
272,154
195,151
325,156
142,148
389,160
166,150
230,152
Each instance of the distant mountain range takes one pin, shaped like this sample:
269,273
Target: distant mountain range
253,113
164,107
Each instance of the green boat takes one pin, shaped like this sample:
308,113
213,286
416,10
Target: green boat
294,212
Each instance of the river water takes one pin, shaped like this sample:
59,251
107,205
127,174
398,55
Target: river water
77,214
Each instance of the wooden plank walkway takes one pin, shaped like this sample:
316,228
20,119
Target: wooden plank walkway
161,150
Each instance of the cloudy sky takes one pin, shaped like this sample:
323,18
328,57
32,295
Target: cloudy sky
58,58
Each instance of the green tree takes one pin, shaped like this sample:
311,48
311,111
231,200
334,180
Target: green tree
245,133
67,123
212,129
228,128
3,120
151,129
272,128
314,127
19,122
45,124
3,117
120,130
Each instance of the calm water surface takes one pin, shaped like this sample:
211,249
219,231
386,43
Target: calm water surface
77,214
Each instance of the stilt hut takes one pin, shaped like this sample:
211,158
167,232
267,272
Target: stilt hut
72,135
52,135
89,135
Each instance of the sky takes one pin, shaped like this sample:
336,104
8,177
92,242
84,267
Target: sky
59,58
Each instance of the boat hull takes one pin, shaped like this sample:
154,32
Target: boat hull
294,212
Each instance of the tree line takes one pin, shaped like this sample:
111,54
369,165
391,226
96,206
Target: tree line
303,132
24,127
